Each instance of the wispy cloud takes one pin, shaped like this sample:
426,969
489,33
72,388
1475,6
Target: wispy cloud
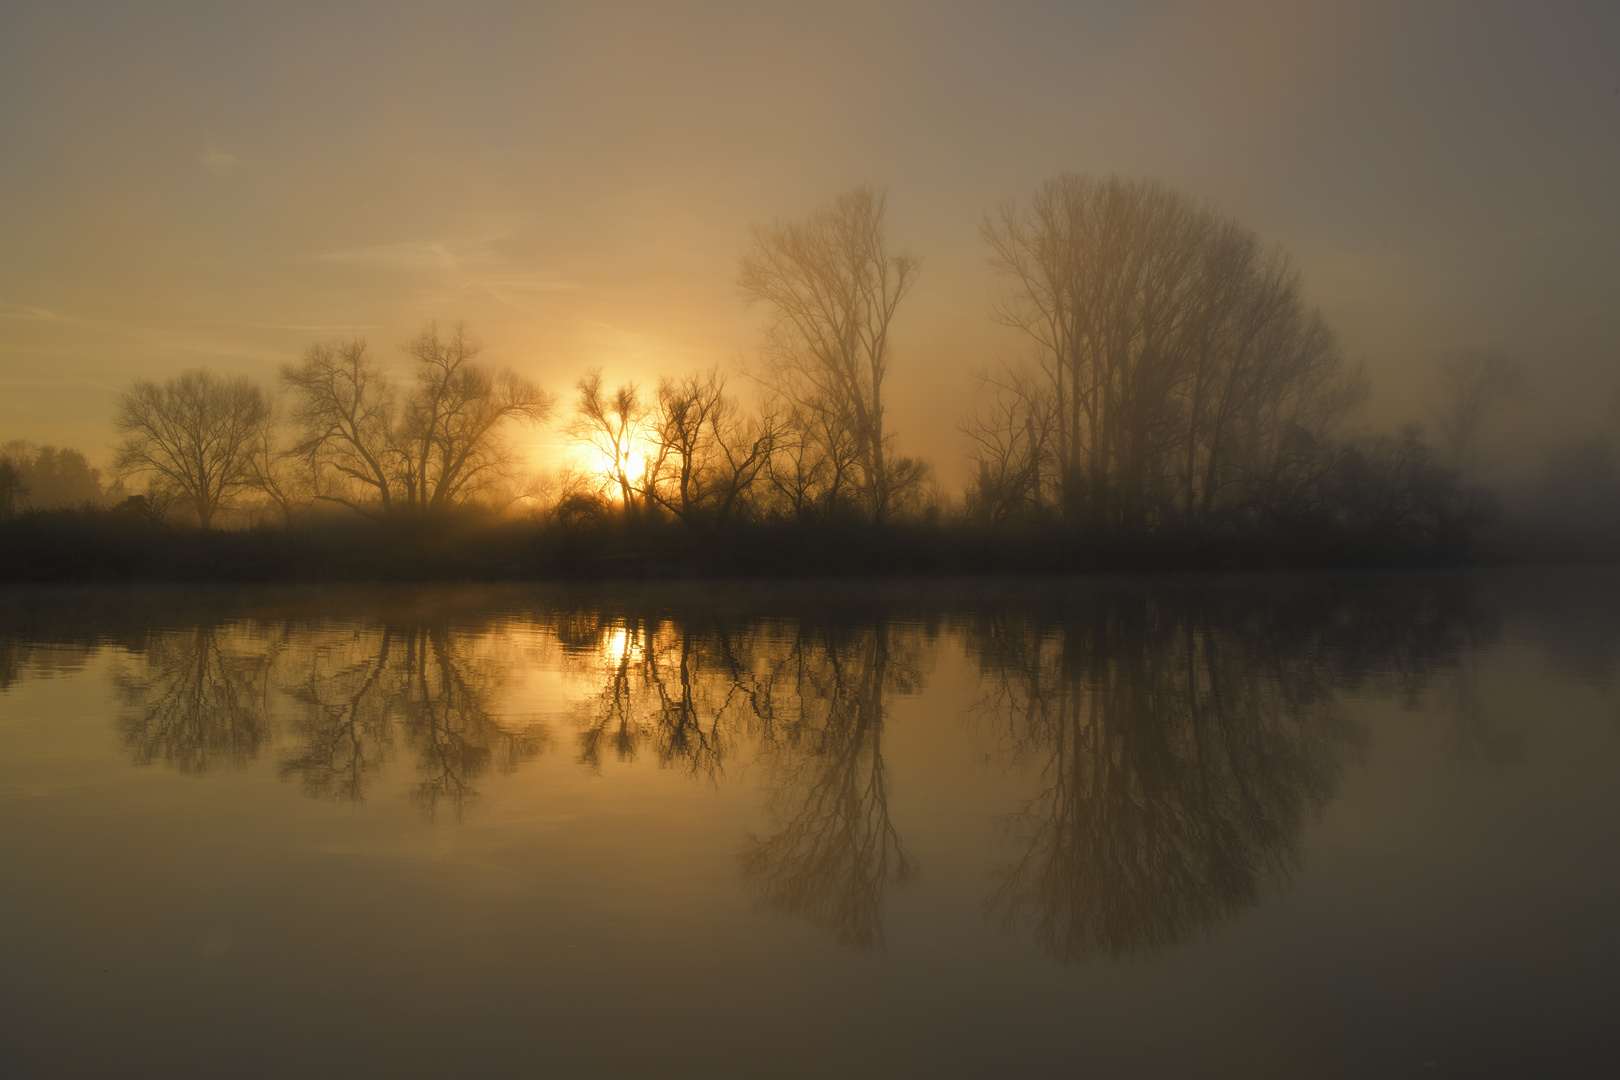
451,268
218,161
39,314
57,374
314,327
410,255
216,339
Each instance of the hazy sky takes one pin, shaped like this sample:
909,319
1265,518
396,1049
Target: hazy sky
219,184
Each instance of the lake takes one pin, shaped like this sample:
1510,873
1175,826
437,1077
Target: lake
1251,827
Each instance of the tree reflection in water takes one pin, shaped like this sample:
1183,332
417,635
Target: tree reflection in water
199,698
1183,743
688,691
836,848
343,695
1182,739
20,660
361,692
348,696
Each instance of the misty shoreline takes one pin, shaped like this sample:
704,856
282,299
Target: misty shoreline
99,546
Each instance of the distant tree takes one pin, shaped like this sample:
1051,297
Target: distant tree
370,448
12,489
815,461
193,435
832,287
55,477
1178,359
1473,385
1011,435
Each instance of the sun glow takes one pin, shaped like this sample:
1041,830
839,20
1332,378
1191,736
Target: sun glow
604,467
618,645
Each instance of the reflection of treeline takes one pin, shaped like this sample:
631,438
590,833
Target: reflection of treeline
1183,741
1181,405
347,699
1180,739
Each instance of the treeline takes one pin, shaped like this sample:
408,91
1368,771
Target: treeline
46,477
1182,406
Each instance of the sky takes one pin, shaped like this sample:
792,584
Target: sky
219,185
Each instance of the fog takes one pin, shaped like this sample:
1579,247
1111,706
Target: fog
186,186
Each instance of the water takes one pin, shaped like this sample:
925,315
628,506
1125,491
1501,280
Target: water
1248,827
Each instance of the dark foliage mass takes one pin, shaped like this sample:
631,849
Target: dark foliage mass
129,543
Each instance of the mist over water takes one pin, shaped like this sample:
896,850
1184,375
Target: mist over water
1252,826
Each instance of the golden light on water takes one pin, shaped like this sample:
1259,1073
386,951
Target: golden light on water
619,645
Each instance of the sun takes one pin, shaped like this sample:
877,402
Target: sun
602,463
635,462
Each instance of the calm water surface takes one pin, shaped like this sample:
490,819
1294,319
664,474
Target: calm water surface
1247,827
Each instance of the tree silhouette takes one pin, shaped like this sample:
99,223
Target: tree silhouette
12,489
1179,366
831,288
192,434
426,451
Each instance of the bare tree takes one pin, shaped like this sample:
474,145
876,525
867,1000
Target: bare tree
1176,352
1011,445
614,426
344,405
453,420
277,471
1473,385
832,288
815,460
707,454
193,434
428,452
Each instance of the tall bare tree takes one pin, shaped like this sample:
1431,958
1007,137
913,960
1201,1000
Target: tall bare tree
1179,360
426,451
832,287
815,460
192,435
